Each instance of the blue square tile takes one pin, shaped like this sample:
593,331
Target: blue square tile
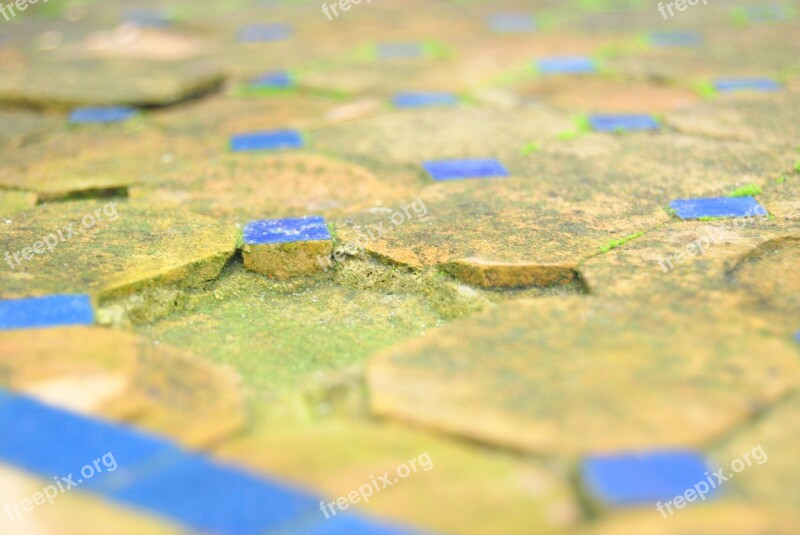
259,33
718,207
463,169
272,80
424,100
47,311
642,478
148,18
400,50
623,123
566,65
512,23
113,114
49,442
301,229
210,497
797,337
267,140
675,38
151,473
730,85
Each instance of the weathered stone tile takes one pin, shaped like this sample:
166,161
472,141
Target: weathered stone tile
120,376
657,166
559,379
411,137
767,482
242,187
115,247
771,272
782,196
504,222
722,518
50,82
681,259
18,127
90,161
769,118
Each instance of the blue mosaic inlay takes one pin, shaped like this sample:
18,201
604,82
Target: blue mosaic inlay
463,169
642,478
566,65
300,229
268,140
400,50
47,311
718,207
667,38
257,33
623,123
114,114
423,100
272,80
729,85
512,23
151,473
149,18
797,337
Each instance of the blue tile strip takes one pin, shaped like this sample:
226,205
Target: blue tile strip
47,311
259,33
512,23
763,85
667,38
623,123
286,230
642,478
267,140
424,100
157,476
566,65
148,18
463,169
718,207
114,114
272,80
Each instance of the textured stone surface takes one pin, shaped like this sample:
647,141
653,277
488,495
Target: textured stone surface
116,249
693,365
